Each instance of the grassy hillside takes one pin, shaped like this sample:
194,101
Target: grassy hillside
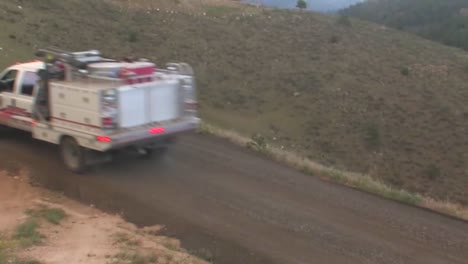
345,93
444,21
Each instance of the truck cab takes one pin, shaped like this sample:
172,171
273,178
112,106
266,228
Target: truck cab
17,91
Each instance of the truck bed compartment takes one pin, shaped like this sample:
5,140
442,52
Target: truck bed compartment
137,104
148,103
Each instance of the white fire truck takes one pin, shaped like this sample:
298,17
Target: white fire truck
92,106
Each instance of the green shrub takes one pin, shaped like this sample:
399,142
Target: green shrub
27,233
433,172
258,142
52,215
405,71
132,36
372,136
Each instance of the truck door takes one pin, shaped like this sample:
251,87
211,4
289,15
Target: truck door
9,81
17,99
25,92
18,95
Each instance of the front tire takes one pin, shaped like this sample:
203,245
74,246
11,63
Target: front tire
73,155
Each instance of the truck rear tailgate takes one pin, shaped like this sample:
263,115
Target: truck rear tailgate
147,134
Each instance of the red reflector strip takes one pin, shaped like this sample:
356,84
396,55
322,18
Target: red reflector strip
157,130
103,139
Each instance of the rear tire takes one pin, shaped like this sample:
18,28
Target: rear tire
73,155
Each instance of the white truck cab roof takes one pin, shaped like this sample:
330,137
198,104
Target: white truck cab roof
28,66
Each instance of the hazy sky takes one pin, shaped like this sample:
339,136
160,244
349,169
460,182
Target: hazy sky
318,5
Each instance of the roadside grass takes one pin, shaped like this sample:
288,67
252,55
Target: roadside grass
5,259
170,244
122,238
25,235
127,257
354,180
130,252
3,248
205,254
52,215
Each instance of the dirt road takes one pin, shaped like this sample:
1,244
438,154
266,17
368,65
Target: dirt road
232,206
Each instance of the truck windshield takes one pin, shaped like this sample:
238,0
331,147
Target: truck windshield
9,80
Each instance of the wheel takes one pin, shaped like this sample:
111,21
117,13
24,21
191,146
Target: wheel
73,155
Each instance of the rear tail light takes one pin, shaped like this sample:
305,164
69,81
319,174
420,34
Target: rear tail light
157,130
109,109
109,122
103,139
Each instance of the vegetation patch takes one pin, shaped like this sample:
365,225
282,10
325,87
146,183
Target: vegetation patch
52,215
25,235
219,10
444,21
127,257
124,239
132,36
405,71
433,172
372,136
130,251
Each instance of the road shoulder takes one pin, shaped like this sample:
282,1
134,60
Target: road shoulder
40,226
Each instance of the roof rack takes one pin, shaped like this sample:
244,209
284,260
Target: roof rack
77,59
66,54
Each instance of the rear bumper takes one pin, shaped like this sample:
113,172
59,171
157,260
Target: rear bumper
143,137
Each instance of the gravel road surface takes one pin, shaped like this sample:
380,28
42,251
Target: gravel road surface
230,205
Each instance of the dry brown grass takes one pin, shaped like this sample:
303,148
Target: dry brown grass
445,207
354,180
